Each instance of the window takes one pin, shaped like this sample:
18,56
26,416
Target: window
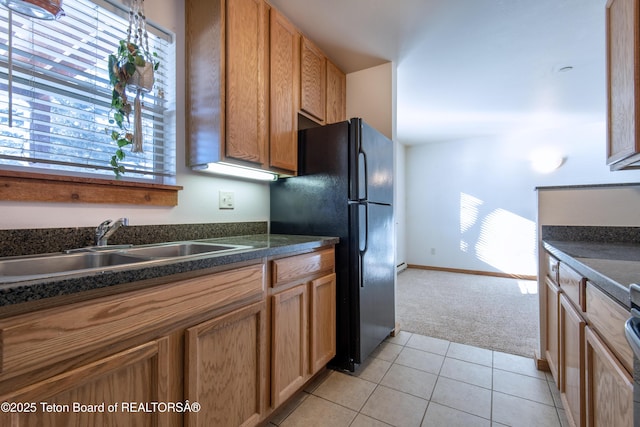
55,96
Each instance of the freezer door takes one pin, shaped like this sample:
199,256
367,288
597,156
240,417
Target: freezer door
376,285
375,165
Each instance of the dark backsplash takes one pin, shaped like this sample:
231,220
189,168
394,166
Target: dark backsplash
45,240
591,234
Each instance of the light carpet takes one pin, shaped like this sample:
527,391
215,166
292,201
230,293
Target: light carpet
489,312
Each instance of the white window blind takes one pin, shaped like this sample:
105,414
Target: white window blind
55,96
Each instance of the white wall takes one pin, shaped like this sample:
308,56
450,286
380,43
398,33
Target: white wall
371,96
472,203
197,203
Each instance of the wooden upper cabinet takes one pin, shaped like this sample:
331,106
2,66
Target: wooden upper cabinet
227,81
247,59
623,83
204,57
249,73
336,94
284,93
313,81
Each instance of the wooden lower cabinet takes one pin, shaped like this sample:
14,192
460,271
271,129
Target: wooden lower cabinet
553,340
226,368
218,339
297,354
303,320
289,342
609,387
106,386
572,369
586,349
322,322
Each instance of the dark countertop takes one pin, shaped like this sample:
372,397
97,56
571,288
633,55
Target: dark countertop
262,245
610,266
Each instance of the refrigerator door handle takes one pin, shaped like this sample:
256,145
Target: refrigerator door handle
364,237
363,185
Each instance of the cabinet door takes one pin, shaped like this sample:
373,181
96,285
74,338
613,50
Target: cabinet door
226,367
552,348
138,375
623,82
322,322
204,74
246,80
572,362
313,81
284,93
336,94
289,342
609,387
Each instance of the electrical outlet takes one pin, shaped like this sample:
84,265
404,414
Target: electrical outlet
226,200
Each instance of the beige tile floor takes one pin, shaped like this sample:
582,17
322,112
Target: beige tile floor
413,380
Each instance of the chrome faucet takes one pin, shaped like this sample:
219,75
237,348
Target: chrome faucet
107,228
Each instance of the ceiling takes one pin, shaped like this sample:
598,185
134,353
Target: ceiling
468,68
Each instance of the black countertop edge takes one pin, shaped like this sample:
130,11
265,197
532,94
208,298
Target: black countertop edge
582,233
619,292
584,186
263,245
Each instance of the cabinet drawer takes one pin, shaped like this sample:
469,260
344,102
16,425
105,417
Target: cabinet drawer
573,285
42,338
296,267
607,317
552,265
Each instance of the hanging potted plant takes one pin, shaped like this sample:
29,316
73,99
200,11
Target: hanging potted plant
131,69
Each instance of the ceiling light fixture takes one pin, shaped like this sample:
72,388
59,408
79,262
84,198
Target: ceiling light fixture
39,9
546,160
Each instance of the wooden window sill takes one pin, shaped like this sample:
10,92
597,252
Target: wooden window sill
35,187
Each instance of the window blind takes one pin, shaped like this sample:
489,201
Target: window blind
55,96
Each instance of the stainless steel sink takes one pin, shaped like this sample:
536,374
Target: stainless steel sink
55,264
179,249
16,269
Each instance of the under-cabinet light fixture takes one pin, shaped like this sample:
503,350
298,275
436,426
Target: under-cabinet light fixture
39,9
238,171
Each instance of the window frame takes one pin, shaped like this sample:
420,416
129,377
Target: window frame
24,184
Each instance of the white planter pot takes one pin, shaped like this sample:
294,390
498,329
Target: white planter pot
143,78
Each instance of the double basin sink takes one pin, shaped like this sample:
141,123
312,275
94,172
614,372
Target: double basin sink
15,269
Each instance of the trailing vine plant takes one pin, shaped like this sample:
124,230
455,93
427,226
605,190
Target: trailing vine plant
128,61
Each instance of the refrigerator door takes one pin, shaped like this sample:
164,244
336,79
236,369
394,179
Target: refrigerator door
374,164
375,283
341,166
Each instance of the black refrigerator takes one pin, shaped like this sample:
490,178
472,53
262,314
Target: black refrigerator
344,188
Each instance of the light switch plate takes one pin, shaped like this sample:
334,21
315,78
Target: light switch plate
226,200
